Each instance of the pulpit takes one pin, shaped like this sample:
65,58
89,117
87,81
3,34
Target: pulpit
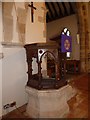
48,92
40,79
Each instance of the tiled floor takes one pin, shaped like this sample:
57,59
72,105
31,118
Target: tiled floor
78,104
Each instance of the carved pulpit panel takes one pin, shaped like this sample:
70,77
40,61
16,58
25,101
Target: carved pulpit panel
41,53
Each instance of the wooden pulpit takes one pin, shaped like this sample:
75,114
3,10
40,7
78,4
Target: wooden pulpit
49,52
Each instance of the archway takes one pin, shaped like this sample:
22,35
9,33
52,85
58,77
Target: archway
55,65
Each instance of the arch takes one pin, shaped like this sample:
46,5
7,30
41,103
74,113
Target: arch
47,52
66,31
57,76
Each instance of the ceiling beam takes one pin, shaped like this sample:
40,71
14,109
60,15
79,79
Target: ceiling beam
48,7
48,17
74,6
65,10
57,10
60,11
71,8
56,14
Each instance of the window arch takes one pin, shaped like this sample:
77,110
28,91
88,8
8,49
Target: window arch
66,31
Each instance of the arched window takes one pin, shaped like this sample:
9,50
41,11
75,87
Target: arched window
65,31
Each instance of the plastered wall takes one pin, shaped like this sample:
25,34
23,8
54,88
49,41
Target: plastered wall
0,60
54,28
14,76
14,65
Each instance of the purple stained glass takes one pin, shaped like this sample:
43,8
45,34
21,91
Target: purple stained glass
66,43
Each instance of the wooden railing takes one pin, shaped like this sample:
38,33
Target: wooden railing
71,66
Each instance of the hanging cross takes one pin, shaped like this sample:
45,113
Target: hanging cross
32,8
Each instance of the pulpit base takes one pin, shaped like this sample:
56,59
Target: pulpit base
49,103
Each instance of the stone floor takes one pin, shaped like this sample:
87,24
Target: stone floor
79,104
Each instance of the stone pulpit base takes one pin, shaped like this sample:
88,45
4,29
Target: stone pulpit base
49,103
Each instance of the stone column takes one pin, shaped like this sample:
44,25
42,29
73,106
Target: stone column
84,34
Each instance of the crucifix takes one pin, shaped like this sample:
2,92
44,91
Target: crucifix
32,10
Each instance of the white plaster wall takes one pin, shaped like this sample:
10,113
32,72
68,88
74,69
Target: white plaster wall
10,29
14,68
0,87
0,60
14,65
0,26
55,28
14,76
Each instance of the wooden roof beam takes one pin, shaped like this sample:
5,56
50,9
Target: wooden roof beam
48,7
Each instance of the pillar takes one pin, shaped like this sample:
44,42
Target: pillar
82,8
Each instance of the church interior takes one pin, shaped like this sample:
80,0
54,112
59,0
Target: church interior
44,59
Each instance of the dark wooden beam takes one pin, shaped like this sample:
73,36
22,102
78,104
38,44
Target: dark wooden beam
71,8
75,6
60,11
56,14
65,10
48,7
47,17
